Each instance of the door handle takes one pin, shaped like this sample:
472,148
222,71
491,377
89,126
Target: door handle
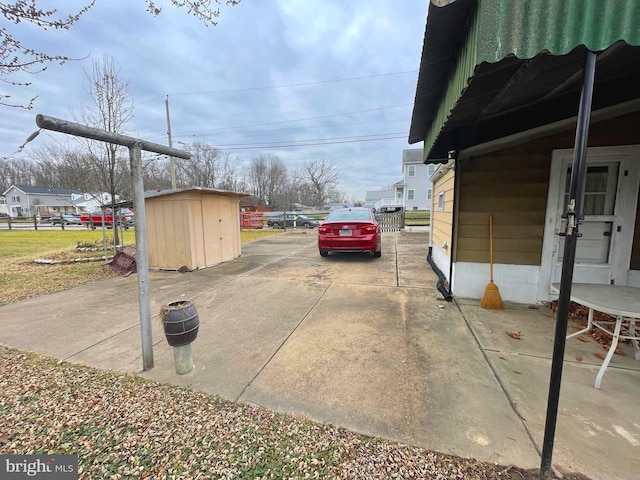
607,234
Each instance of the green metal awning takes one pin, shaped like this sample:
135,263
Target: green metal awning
513,56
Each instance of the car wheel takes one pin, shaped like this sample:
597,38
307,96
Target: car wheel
276,225
377,254
306,225
324,253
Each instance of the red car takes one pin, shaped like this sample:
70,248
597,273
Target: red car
350,230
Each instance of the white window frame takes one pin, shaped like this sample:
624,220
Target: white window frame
429,194
15,199
411,170
431,168
441,201
411,194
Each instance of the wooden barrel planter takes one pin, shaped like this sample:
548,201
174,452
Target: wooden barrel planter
181,323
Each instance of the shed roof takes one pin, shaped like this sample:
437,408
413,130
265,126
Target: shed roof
512,66
208,191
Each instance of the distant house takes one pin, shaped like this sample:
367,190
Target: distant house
89,202
413,192
4,211
416,188
28,201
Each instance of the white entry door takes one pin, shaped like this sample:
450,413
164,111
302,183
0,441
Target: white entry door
609,204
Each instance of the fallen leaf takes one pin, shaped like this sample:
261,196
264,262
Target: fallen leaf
619,352
582,338
4,438
515,335
579,358
599,355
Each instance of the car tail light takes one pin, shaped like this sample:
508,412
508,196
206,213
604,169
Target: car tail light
369,228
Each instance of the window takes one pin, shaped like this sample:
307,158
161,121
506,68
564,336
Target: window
399,194
429,194
411,194
431,168
441,201
411,170
3,201
15,199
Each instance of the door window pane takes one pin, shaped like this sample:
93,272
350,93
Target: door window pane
601,180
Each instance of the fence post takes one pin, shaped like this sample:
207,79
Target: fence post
35,223
9,217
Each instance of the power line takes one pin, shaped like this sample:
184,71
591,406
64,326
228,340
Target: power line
318,82
287,121
316,144
352,137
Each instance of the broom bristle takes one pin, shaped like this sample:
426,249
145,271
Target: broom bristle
492,299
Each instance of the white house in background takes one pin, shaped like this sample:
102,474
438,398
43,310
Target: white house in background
89,202
28,201
4,211
415,188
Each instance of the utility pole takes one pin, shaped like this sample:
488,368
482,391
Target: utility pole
173,165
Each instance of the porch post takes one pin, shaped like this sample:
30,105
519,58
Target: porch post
574,215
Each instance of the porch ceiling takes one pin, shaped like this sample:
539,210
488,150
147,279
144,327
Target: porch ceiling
518,95
513,66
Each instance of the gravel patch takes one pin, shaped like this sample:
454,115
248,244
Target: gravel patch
125,427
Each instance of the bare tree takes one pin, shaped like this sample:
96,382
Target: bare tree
321,177
202,169
267,177
15,171
111,110
17,56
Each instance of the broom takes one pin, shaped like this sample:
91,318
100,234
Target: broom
491,299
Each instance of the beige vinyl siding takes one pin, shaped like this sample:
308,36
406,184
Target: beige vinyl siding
513,189
511,184
442,221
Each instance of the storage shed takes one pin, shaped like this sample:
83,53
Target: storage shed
192,228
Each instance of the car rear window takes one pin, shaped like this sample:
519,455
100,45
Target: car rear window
349,215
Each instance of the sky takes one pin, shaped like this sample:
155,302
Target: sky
301,79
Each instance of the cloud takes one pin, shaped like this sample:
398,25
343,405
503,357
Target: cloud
231,84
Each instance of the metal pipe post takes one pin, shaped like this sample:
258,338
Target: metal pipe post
574,214
142,259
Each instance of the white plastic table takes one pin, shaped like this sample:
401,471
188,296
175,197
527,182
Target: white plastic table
616,300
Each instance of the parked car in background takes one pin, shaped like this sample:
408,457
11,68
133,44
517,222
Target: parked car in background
66,218
350,230
301,221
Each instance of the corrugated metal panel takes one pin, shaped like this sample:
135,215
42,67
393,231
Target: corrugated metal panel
508,28
457,85
526,28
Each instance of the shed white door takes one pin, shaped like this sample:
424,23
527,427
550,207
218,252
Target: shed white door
609,205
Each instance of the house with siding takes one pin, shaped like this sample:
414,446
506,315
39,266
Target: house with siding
28,201
416,188
496,104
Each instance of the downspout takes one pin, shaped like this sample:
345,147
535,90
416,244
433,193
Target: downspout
442,280
453,219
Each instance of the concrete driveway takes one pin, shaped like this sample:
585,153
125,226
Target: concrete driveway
363,343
